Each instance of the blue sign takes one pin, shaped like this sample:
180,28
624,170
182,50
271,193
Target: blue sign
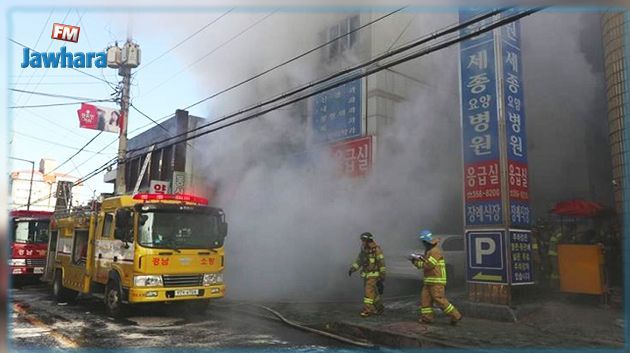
469,14
521,257
337,113
483,212
515,131
486,261
480,125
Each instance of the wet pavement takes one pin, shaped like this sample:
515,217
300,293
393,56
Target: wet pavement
559,323
38,321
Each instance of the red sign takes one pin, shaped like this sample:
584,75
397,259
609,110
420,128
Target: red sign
99,118
518,182
354,156
66,33
482,181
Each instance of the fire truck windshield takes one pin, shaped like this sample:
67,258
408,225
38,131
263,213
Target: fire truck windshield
179,230
30,232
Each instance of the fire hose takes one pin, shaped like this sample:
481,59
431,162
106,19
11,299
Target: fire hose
312,330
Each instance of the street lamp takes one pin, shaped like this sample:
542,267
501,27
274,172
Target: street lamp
30,186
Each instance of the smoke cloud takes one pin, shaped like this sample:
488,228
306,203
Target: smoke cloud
294,223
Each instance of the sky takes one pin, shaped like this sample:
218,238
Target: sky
53,132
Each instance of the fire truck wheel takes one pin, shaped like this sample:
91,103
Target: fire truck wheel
61,293
113,299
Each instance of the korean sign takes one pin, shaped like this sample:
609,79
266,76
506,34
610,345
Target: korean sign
354,156
159,187
521,257
337,113
486,260
513,105
99,118
479,110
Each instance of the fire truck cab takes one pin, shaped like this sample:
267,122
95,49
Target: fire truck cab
139,249
29,238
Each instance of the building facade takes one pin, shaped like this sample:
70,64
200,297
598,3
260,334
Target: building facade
149,165
616,40
47,187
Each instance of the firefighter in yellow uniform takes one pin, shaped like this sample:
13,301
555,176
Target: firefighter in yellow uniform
553,256
371,262
434,267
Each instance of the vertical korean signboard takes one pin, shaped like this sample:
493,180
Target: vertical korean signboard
514,113
480,124
496,184
337,113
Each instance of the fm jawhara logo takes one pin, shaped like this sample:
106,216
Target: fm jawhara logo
63,58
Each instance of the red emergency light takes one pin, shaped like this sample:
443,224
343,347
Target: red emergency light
171,197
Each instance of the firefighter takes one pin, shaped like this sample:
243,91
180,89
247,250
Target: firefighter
536,259
553,256
371,262
434,267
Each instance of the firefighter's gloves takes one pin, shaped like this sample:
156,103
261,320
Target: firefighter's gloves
415,257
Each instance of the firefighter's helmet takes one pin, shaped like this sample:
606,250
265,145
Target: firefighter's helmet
367,236
426,235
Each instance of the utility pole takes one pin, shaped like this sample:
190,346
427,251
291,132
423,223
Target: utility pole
30,186
121,185
123,59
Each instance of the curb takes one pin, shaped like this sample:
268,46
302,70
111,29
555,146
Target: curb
488,311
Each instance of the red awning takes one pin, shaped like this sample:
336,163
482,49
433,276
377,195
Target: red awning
577,208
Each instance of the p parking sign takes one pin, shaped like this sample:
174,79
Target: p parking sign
486,260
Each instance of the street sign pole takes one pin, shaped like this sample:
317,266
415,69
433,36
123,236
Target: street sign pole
496,184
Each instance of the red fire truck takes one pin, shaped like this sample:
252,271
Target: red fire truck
29,240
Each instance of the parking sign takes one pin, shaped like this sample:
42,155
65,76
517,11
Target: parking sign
486,260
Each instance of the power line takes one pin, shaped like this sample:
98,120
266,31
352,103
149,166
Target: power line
248,28
390,53
414,55
76,153
37,42
80,180
402,32
28,98
49,45
184,40
53,142
54,123
73,68
56,83
85,33
148,117
99,152
284,63
367,72
59,104
51,95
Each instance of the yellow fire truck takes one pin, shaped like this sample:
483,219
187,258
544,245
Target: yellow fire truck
139,249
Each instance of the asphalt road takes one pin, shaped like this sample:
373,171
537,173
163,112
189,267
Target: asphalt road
38,321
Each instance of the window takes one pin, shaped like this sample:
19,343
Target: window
107,225
32,232
453,244
80,247
347,41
